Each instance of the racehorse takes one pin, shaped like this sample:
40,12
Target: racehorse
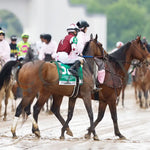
141,84
117,66
42,77
6,89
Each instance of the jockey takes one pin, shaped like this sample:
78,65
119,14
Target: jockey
13,47
48,50
82,37
4,47
23,46
67,50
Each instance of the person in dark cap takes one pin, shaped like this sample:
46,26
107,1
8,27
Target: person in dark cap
13,47
48,51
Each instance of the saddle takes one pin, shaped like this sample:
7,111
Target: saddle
66,78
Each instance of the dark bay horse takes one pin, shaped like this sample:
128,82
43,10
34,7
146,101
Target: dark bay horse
42,77
119,62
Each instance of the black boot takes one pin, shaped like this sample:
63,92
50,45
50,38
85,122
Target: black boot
74,68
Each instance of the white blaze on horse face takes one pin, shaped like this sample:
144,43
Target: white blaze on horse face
33,121
14,125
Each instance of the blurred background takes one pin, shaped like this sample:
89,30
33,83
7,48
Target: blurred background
112,20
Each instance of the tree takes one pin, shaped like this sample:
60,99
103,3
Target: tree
10,23
125,18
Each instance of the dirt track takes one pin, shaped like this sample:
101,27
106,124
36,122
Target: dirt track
134,123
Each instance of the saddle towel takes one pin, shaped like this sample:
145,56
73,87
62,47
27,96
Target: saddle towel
65,77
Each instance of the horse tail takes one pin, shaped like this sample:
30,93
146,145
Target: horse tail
5,73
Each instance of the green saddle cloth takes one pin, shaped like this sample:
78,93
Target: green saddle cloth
65,77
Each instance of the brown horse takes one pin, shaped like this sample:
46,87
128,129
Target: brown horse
108,94
42,77
141,84
5,93
119,63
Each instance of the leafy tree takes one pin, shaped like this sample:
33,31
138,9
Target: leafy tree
10,23
126,18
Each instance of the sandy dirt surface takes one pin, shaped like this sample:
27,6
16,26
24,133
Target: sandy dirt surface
134,124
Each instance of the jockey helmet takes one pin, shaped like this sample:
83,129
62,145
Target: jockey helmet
72,28
82,24
2,32
25,35
119,44
13,38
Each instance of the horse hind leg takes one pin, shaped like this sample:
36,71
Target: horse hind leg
26,100
6,103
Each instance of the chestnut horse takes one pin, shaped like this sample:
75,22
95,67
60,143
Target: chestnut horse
120,62
42,77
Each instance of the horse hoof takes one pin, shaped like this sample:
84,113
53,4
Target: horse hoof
37,133
4,119
96,138
69,132
62,137
122,137
87,136
14,136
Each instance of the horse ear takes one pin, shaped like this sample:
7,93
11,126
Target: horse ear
91,36
138,38
96,37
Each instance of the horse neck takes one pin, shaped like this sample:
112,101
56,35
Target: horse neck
89,64
125,64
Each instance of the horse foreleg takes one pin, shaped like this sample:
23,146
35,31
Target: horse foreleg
101,111
88,106
136,95
55,108
70,114
112,107
146,99
140,98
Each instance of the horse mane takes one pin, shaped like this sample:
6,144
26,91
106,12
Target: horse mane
119,55
85,48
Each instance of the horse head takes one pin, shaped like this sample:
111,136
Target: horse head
139,51
94,47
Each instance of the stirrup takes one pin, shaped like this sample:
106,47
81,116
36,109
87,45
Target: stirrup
97,89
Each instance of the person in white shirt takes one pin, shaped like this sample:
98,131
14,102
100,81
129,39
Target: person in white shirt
49,49
82,36
118,45
4,47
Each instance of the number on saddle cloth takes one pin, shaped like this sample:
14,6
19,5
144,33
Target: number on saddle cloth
65,77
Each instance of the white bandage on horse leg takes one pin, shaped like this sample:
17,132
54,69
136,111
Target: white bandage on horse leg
14,125
33,121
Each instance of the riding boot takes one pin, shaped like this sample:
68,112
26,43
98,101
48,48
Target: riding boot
74,68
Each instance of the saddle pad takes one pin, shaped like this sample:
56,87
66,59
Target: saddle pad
65,77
